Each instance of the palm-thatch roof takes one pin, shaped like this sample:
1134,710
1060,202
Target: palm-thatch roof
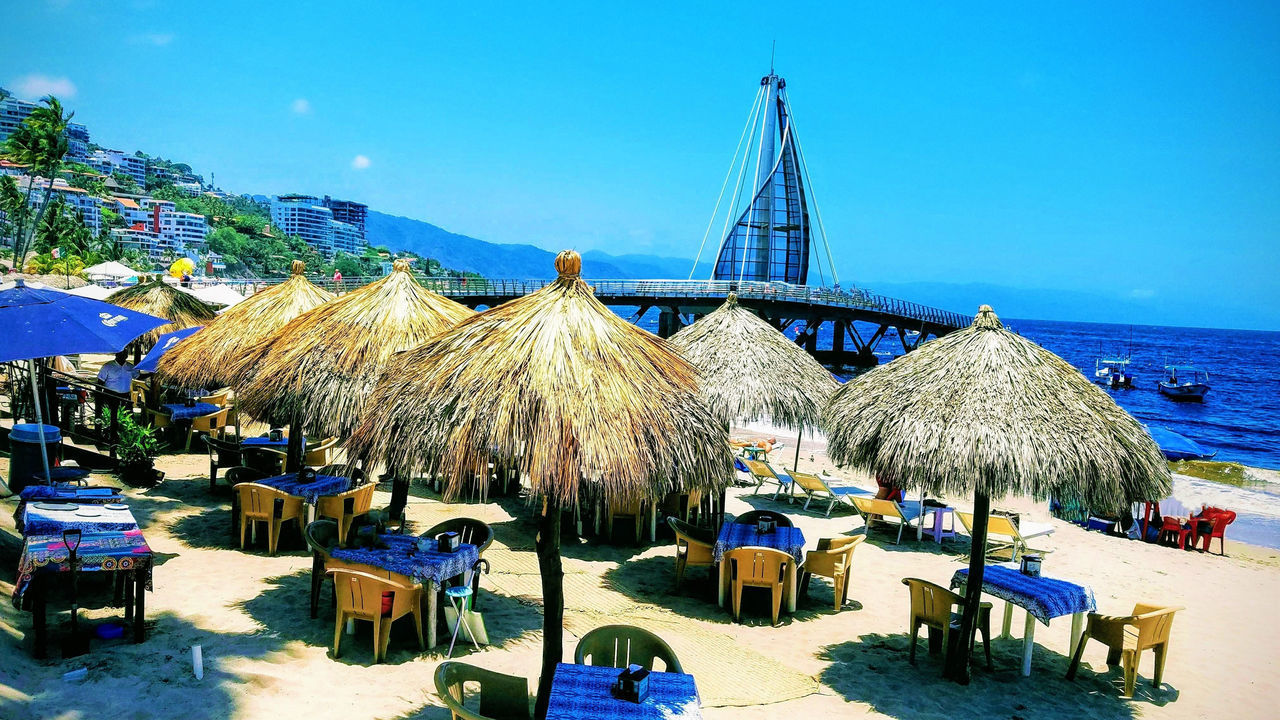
162,300
751,371
209,358
321,367
558,384
983,410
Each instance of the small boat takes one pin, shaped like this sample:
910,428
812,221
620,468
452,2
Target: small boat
1184,383
1113,372
1177,447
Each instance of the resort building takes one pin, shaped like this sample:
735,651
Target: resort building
74,197
77,142
192,189
13,111
346,211
113,161
12,168
305,217
346,238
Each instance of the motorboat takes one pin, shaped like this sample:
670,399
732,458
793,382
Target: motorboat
1113,372
1184,383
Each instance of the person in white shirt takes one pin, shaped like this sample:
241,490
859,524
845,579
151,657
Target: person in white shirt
117,375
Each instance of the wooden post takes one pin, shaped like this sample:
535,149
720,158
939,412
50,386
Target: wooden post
552,572
799,436
957,667
293,451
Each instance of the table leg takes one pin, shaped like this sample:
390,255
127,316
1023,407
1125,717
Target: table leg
38,620
793,572
1077,621
722,565
1028,643
128,596
140,613
1008,621
433,590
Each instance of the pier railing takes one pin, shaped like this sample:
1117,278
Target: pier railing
640,290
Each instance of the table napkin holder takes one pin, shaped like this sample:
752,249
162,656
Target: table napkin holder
632,684
448,542
189,401
765,526
275,435
1031,565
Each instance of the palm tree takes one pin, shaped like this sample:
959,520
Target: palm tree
40,142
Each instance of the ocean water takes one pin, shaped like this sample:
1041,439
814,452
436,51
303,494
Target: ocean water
1239,418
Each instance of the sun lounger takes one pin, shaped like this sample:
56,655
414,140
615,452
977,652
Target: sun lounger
762,472
814,486
1003,535
874,509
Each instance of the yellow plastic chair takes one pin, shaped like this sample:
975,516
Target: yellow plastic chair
694,547
634,509
344,506
501,697
258,504
931,606
758,567
320,455
833,559
1003,535
1126,637
214,422
360,598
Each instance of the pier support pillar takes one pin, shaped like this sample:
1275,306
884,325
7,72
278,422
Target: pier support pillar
837,341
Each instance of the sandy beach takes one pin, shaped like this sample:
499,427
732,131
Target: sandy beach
264,657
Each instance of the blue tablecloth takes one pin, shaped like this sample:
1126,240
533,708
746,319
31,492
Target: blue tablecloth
179,411
87,518
268,442
403,556
1044,597
69,493
735,535
581,692
311,491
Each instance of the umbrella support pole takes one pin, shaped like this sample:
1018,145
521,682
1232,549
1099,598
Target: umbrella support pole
957,667
35,395
799,436
293,451
552,572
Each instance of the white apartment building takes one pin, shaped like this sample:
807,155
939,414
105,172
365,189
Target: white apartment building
347,238
305,217
13,111
186,230
191,189
109,161
74,197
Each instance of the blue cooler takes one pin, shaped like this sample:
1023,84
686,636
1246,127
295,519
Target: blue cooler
25,465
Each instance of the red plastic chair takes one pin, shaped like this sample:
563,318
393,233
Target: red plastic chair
1220,519
1173,526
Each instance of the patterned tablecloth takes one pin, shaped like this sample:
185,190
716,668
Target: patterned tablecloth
310,491
179,411
103,551
581,692
735,535
40,518
1044,597
70,493
403,556
268,442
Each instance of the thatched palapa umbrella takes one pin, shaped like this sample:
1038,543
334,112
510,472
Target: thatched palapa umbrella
162,300
316,372
751,371
566,390
988,412
209,358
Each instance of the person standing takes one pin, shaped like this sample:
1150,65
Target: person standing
337,280
117,377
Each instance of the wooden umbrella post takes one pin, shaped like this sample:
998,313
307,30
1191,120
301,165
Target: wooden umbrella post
799,436
293,451
957,667
552,571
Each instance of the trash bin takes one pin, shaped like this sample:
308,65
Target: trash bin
24,454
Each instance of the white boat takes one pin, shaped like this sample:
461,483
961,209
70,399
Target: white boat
1185,383
1113,372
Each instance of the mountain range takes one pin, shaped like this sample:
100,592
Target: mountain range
520,261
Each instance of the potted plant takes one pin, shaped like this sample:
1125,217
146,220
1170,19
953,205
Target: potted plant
136,449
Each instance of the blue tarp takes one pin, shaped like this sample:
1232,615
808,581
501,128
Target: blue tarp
1177,447
163,344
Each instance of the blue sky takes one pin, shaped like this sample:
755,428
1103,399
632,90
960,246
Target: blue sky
1125,149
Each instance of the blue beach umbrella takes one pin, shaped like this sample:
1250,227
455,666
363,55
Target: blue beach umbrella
36,323
163,344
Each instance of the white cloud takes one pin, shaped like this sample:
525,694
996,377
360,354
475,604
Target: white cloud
301,106
36,86
360,162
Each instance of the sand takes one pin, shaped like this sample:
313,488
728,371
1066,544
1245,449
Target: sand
265,658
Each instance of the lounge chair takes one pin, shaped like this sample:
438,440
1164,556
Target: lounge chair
618,646
761,472
833,559
814,485
875,510
695,547
360,597
758,567
1126,637
1008,536
931,606
502,697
